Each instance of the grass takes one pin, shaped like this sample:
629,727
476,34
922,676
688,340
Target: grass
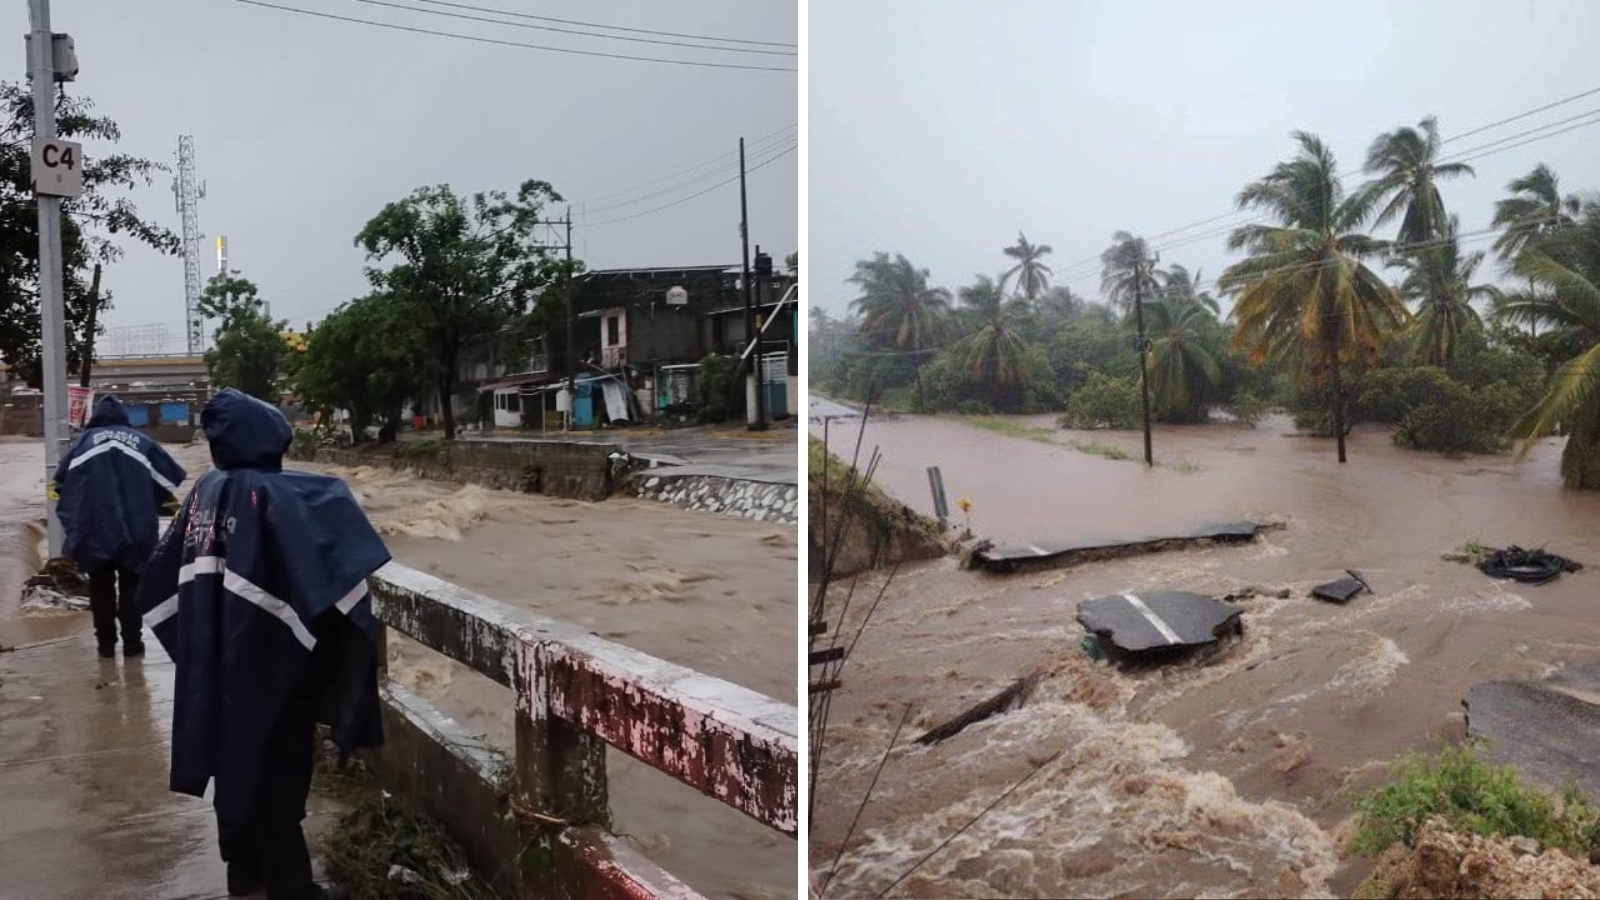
384,832
1101,448
1473,797
1011,428
427,447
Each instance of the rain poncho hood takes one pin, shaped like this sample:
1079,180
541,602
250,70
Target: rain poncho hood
112,482
256,591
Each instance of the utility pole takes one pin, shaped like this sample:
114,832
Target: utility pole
572,346
52,314
759,423
1139,273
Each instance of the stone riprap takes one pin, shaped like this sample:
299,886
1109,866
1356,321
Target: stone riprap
748,499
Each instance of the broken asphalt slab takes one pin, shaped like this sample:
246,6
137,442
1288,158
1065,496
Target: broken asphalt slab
1341,590
1152,625
1548,730
1059,554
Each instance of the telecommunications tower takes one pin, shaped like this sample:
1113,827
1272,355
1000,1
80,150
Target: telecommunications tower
188,192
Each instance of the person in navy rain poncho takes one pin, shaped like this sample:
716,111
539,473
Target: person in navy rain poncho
113,482
258,592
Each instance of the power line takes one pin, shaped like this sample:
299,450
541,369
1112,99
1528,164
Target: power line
586,210
716,159
702,37
1477,152
1232,213
504,43
752,169
574,31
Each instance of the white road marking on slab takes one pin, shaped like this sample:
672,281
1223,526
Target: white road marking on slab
1038,551
1151,617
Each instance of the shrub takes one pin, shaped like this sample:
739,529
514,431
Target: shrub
1474,797
1103,402
1247,409
722,391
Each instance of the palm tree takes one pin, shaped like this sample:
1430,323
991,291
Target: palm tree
1181,284
995,353
898,309
1564,269
1534,209
1180,364
1406,163
1304,295
1126,269
1033,276
1440,279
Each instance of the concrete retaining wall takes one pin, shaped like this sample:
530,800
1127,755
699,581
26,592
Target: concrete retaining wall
558,468
757,500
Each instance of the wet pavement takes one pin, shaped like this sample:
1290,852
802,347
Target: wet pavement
84,747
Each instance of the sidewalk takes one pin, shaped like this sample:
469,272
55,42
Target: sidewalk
83,781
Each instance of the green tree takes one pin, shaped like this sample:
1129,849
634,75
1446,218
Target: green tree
1180,284
994,357
367,359
94,227
1032,276
1534,210
1564,269
898,309
1183,366
249,348
461,267
1304,296
1439,278
1406,163
1127,269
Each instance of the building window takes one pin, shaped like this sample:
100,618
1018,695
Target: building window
613,331
514,402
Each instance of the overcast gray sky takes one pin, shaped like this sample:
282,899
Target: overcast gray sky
305,127
940,128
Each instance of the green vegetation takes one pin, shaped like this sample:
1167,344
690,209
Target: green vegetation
459,269
250,352
1011,428
384,832
722,391
422,449
1452,362
1100,448
1474,797
95,227
1104,402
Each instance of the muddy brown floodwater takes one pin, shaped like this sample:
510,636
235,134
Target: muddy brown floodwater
709,592
1232,776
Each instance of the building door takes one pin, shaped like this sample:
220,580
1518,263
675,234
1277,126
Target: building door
614,339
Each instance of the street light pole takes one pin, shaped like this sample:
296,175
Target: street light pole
52,327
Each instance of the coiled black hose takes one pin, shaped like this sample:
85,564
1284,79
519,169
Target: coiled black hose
1526,566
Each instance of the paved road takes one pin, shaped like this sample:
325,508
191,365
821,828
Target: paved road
84,747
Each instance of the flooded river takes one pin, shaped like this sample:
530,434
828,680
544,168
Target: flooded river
709,592
1227,777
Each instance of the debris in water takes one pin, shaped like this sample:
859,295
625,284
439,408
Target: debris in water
57,587
1446,865
1070,553
1343,589
1007,700
1547,730
1526,566
1133,627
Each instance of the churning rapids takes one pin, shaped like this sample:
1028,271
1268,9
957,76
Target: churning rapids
1228,777
710,592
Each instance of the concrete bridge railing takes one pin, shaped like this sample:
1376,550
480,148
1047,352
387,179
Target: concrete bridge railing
534,821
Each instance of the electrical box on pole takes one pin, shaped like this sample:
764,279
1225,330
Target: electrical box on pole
64,57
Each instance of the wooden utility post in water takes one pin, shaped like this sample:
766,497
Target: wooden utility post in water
1139,272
